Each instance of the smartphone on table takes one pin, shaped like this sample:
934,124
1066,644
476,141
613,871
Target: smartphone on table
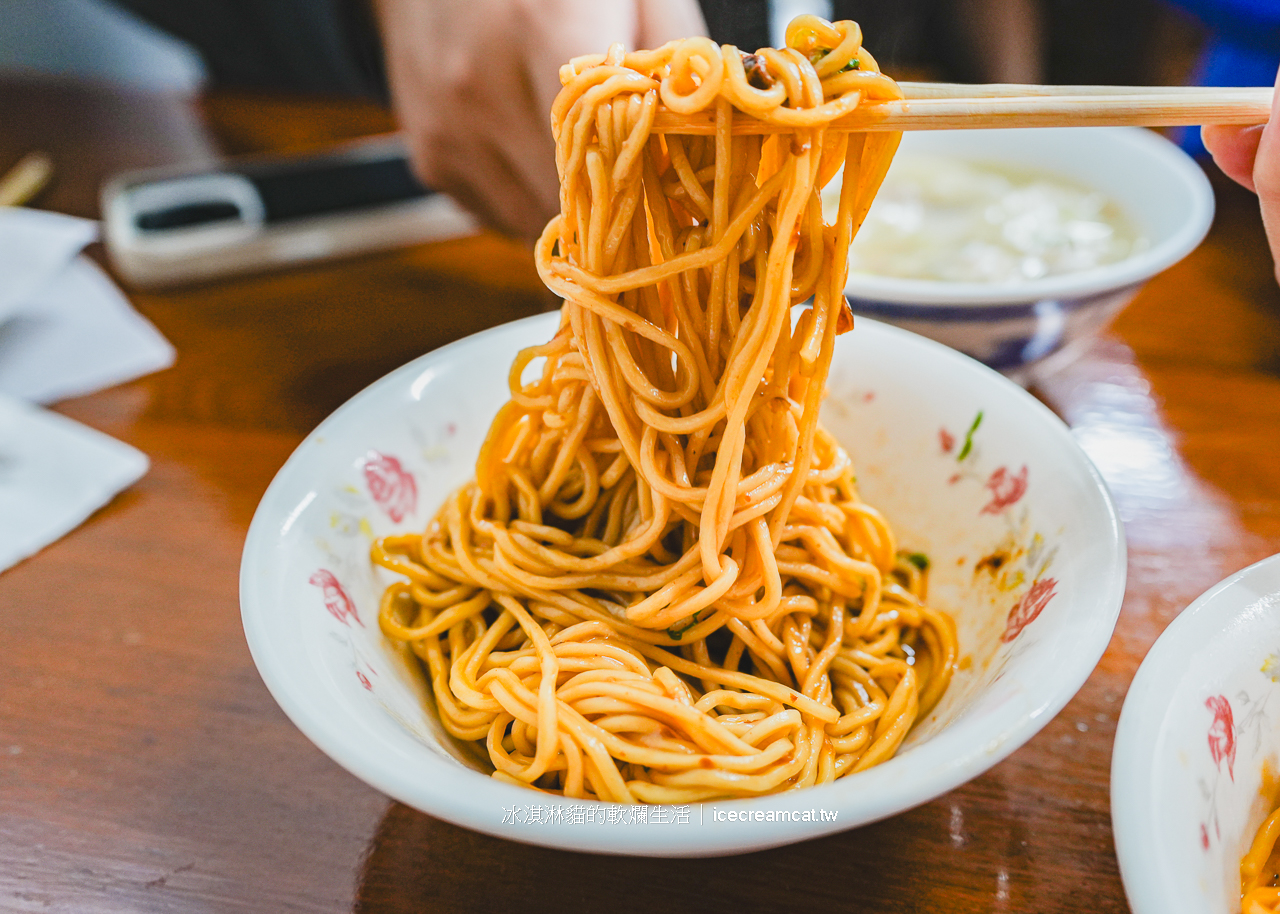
169,227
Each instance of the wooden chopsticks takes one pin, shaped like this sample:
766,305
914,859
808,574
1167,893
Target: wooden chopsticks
951,106
1019,90
26,179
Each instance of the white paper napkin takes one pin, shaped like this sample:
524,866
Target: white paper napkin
75,335
54,473
35,246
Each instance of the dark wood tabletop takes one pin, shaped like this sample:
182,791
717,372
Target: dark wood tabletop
144,766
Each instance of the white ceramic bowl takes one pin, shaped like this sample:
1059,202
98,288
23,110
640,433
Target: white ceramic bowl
1200,720
1011,326
1024,498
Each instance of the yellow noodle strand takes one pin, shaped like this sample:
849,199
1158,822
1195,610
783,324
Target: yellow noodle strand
662,585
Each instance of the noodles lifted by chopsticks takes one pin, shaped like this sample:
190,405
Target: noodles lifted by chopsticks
662,586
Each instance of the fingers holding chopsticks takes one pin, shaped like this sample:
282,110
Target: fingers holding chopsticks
1251,156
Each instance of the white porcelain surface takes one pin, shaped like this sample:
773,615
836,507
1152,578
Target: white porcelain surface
1201,720
1033,619
1161,189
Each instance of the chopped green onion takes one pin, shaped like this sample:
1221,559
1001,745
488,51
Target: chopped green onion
676,633
817,56
968,438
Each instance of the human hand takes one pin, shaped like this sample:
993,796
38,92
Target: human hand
472,82
1251,156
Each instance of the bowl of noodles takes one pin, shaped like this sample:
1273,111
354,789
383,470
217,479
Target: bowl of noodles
1195,773
1018,246
709,568
1021,543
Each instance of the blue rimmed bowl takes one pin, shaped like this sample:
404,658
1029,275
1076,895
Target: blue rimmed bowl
1013,326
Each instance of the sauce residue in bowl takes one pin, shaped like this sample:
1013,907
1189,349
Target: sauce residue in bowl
945,219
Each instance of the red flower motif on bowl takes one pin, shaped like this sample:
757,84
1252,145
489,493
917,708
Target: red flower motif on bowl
335,598
1222,733
390,485
1006,489
1026,610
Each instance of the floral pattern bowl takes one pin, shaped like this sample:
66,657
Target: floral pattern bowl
1197,751
1022,539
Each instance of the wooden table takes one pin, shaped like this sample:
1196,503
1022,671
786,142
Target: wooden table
144,767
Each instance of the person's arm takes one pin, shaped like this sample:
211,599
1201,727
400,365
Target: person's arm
472,82
1251,156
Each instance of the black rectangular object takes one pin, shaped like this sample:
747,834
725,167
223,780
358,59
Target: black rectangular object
319,187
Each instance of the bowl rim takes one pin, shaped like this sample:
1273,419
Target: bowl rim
961,751
1107,278
1146,706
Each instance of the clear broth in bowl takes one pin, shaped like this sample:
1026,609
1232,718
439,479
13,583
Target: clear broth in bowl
946,219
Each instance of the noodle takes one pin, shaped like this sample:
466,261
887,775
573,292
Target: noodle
661,586
1260,871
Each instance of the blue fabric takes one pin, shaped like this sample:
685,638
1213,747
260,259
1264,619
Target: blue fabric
1254,23
1227,64
1243,50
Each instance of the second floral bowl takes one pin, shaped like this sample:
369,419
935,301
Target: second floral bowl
1197,752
